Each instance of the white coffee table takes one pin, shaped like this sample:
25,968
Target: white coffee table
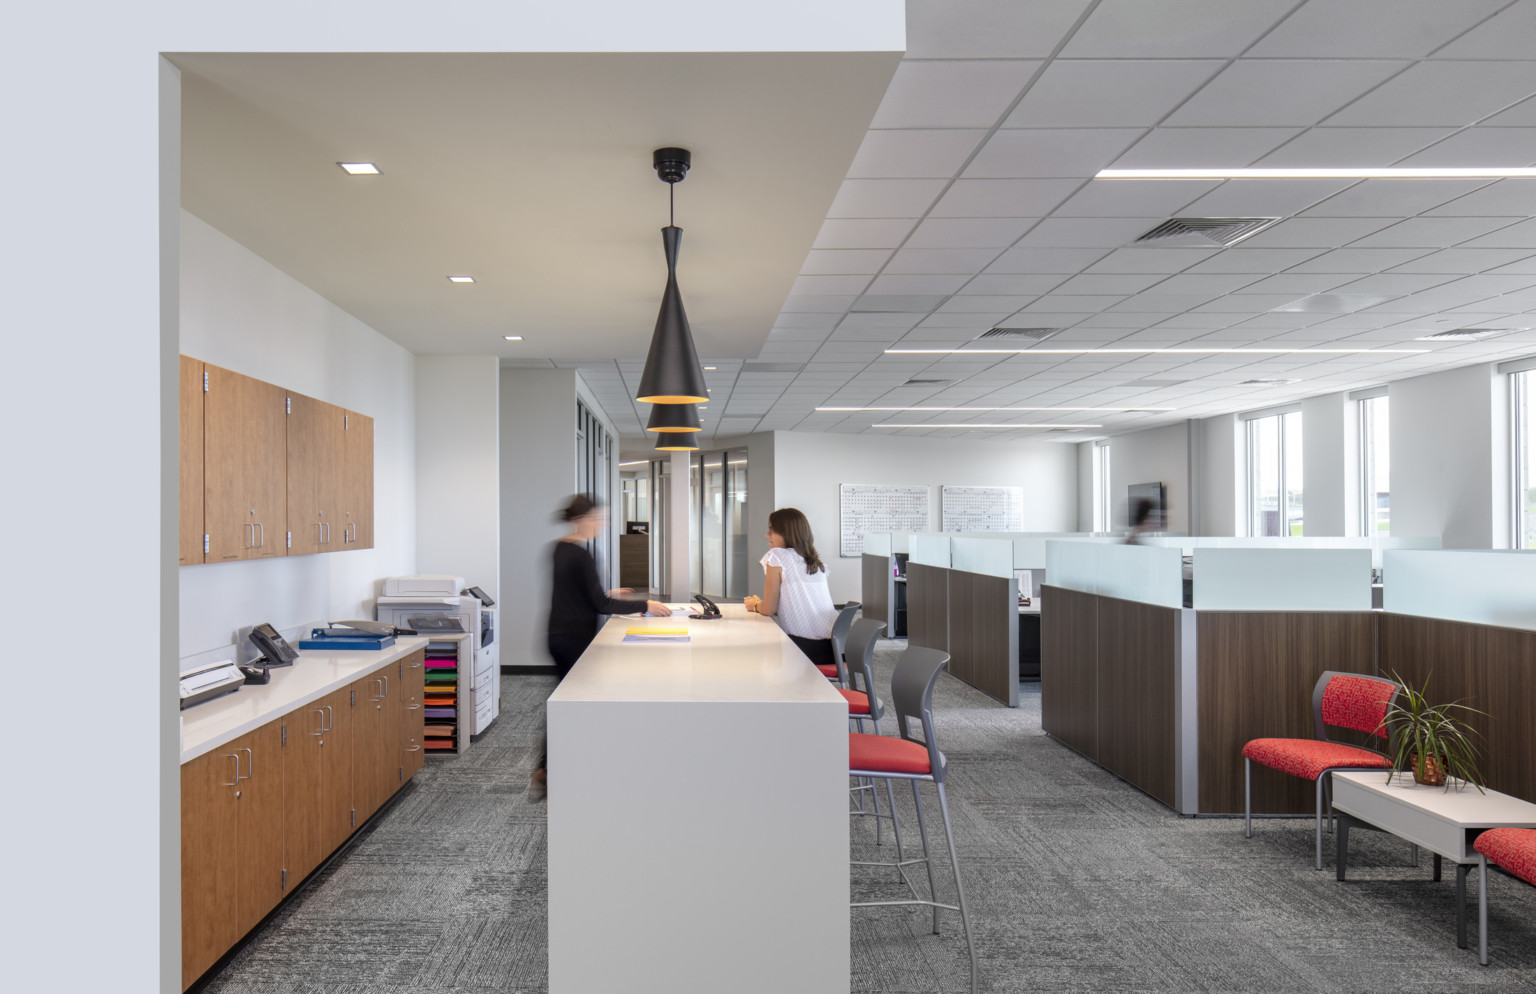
1444,822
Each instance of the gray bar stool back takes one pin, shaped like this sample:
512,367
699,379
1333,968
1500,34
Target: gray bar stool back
840,629
863,705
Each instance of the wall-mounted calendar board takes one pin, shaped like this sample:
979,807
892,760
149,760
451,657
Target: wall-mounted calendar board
879,507
982,509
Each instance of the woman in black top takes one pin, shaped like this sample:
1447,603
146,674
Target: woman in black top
577,597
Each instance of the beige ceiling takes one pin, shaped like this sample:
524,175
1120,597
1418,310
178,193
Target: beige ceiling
532,173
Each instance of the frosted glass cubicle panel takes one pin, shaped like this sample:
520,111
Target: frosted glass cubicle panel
987,556
877,543
1144,573
1189,543
1029,550
1474,585
929,549
1282,579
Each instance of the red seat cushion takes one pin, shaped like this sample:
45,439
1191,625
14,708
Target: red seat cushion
1512,848
828,670
1309,757
884,754
857,703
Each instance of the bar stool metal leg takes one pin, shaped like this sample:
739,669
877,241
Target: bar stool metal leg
933,893
954,861
1247,798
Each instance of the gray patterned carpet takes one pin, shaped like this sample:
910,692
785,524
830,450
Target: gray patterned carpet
1077,882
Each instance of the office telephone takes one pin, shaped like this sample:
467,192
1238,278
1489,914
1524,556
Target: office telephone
274,649
711,611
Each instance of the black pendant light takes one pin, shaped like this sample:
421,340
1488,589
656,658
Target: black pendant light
672,371
673,418
677,441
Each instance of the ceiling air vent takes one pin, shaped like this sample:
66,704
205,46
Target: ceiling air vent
1019,334
1267,383
1205,231
925,383
1465,334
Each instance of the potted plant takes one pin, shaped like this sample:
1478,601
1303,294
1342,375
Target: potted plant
1430,739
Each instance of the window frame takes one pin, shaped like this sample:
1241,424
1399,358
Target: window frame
1365,506
1248,418
1101,500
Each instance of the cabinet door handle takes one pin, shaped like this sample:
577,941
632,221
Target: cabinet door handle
321,712
248,764
385,678
261,543
415,748
330,717
236,780
327,533
250,535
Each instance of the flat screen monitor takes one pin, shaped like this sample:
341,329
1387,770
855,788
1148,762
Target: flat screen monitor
1155,492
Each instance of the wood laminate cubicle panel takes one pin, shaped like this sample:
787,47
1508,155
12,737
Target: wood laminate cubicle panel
983,647
1136,680
1491,669
961,625
1069,669
875,590
928,606
1256,674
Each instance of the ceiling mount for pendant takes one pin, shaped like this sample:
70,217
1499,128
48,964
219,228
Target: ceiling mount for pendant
671,163
672,371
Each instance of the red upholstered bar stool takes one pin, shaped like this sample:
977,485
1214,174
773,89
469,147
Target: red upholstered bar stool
916,759
835,671
1512,850
865,706
1340,700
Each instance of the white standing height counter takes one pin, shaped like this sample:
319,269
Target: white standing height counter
698,815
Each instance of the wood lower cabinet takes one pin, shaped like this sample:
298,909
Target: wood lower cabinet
232,840
413,682
317,782
245,467
191,444
377,721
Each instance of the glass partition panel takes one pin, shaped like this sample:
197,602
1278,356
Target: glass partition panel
1474,585
1144,573
877,544
1291,579
712,524
988,556
737,577
930,550
1072,565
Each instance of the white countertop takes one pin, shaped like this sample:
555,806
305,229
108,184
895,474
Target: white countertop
740,658
1467,807
314,674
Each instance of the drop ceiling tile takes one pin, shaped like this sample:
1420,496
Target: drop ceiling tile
838,262
976,323
1108,93
1243,259
1149,259
1506,35
1506,197
1396,198
1100,233
1301,284
1480,147
1118,283
885,197
1356,148
1253,93
1245,303
1205,148
969,232
1352,29
829,284
1463,261
1071,304
1358,260
1524,267
846,233
900,321
817,303
1003,197
1518,235
1264,197
981,29
1001,306
1161,303
1134,198
1453,94
1208,283
926,153
940,260
1046,152
1173,29
1044,260
916,285
1521,115
1433,232
1314,233
951,93
1395,285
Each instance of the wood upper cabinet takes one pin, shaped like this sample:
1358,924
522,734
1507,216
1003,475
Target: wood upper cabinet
357,482
191,503
413,680
245,487
316,455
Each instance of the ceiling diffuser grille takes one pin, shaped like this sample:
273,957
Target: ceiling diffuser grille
1465,334
925,383
1223,231
1024,334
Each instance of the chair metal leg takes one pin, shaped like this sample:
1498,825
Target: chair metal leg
1328,796
954,861
1461,904
1320,821
922,828
874,797
1247,798
1482,910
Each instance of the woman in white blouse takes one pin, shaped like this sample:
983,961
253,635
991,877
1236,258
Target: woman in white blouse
795,586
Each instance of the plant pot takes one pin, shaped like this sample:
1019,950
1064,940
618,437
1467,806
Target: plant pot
1431,773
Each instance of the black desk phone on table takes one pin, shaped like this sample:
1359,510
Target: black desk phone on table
275,651
710,612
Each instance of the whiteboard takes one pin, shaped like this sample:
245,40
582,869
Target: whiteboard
879,507
983,509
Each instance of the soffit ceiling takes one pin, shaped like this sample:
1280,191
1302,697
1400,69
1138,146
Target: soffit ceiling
971,204
532,173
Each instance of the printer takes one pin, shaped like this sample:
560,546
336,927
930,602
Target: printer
211,680
424,585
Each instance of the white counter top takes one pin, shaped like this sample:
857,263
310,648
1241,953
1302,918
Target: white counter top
314,674
740,658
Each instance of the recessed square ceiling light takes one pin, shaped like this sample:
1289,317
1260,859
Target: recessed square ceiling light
461,279
513,338
708,368
359,168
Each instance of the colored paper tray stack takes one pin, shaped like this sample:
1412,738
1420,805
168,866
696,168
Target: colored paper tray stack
440,699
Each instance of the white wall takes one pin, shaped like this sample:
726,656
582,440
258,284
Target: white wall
458,469
1156,455
1450,457
240,312
1330,471
1085,485
809,467
1221,476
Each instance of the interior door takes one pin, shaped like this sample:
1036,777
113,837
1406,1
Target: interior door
191,461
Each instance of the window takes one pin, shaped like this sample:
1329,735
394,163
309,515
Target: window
1375,468
717,525
1101,522
1274,474
1522,387
594,473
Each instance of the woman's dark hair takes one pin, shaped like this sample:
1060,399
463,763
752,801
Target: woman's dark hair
790,524
1144,508
579,506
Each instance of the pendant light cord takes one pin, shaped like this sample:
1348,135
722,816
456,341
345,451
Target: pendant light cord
672,205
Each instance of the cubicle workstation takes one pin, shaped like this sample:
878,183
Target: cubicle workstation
882,580
1165,692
